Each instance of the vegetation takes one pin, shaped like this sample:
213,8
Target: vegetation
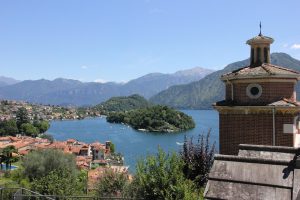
60,182
39,164
161,177
198,159
23,125
118,104
112,184
154,118
6,156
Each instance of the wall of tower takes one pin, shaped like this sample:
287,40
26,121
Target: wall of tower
256,129
271,92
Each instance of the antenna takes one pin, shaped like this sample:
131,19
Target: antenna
260,29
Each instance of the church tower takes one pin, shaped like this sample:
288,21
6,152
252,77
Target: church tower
260,104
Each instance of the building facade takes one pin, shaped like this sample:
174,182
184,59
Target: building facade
260,104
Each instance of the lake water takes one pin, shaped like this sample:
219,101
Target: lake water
131,143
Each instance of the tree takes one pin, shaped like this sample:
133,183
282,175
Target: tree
22,117
29,130
42,126
112,184
8,127
161,177
38,164
59,182
7,155
198,159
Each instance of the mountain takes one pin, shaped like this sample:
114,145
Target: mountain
72,92
153,83
7,81
201,94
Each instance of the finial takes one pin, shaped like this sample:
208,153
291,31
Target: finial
260,29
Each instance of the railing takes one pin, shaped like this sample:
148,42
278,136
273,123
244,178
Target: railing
25,194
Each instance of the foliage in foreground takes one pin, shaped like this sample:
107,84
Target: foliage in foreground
38,164
198,159
112,184
161,177
154,118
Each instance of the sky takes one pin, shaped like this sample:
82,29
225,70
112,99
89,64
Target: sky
120,40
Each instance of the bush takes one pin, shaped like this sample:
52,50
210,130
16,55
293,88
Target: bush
198,159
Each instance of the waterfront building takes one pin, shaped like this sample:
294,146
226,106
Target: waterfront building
260,105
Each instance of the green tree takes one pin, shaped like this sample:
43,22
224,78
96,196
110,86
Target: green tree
59,182
42,126
38,164
22,117
8,127
112,184
161,177
29,130
112,148
7,155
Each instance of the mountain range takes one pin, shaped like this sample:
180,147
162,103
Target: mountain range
72,92
201,94
4,81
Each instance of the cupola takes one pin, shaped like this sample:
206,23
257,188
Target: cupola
260,49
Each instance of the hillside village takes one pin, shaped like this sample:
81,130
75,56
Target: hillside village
96,157
9,108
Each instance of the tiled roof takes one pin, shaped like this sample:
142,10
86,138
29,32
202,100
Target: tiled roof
260,39
262,71
280,103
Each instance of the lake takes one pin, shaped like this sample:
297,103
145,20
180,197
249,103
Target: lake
131,143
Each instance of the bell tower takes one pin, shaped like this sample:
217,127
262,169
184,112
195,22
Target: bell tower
260,105
260,49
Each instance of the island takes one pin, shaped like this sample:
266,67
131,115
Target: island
153,119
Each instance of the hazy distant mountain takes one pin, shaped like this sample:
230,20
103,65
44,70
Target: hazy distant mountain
72,92
7,81
201,94
153,83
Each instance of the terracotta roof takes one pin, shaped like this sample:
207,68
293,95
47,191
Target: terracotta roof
265,70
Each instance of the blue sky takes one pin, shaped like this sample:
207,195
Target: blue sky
119,40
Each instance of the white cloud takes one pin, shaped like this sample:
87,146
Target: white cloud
295,46
84,67
99,80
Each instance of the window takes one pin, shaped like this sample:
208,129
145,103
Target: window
254,91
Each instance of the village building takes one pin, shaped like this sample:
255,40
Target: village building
260,105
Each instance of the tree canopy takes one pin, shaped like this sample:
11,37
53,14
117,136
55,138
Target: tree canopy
155,118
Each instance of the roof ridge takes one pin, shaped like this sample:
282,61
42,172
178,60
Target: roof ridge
283,68
267,70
